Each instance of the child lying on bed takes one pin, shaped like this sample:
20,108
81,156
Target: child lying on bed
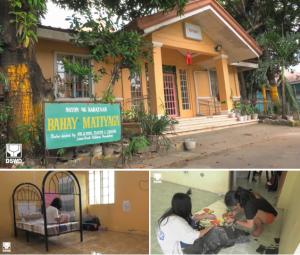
52,213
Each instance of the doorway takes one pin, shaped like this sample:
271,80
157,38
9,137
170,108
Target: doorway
171,102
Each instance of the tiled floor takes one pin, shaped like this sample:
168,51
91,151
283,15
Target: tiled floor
161,195
96,242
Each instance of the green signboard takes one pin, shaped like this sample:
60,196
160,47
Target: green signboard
75,124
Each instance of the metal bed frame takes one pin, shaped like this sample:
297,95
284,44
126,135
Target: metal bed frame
28,192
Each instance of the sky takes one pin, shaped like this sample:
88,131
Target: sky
56,18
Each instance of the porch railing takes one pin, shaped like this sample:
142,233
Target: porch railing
138,101
209,106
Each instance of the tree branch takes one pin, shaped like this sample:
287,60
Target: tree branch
255,27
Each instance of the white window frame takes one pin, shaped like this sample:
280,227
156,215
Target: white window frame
56,53
187,89
101,188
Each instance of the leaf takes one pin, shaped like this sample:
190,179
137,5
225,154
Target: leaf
19,4
26,42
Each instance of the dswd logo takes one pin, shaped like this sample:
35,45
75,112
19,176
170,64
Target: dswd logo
13,153
157,178
6,247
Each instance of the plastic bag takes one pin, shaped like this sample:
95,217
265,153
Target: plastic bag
216,239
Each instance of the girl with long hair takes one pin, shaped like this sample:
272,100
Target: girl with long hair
52,212
257,210
174,227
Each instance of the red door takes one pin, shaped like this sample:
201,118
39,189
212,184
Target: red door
171,103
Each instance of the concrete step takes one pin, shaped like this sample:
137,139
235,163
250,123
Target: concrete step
206,121
211,126
201,118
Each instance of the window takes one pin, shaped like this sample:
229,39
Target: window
136,90
147,80
213,83
68,86
184,89
101,187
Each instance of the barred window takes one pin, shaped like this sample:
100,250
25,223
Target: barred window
101,187
214,83
68,86
136,90
184,89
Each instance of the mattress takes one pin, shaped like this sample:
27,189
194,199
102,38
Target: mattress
53,229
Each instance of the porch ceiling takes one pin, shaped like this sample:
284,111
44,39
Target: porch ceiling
219,30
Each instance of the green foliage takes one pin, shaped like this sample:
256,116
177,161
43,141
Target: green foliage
136,143
61,151
27,19
129,115
31,136
5,116
80,71
255,110
3,78
108,97
151,124
276,108
127,9
125,49
5,113
174,121
290,95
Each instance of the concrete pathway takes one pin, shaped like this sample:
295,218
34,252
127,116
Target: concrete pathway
253,146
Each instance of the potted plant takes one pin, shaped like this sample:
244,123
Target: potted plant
190,144
83,151
108,149
241,116
232,114
175,123
153,127
254,114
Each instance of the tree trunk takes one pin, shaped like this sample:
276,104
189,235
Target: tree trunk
283,94
28,87
114,77
271,78
243,88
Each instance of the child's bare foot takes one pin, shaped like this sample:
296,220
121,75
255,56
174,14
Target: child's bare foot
257,232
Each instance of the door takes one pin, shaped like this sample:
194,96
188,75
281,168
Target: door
171,103
206,100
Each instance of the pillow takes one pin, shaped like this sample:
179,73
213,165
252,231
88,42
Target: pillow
32,216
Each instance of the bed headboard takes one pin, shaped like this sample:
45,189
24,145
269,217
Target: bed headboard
25,196
65,185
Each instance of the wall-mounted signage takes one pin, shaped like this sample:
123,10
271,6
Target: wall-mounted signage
192,31
74,124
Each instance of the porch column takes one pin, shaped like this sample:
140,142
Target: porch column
224,83
156,85
126,88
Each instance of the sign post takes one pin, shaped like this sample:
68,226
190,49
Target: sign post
77,124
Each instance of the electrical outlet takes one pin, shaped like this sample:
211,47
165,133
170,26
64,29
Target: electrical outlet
186,172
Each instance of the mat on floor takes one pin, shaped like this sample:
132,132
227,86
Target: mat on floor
218,207
216,239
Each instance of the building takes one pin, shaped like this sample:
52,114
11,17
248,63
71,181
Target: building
217,44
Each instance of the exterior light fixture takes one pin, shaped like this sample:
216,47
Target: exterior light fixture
218,48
